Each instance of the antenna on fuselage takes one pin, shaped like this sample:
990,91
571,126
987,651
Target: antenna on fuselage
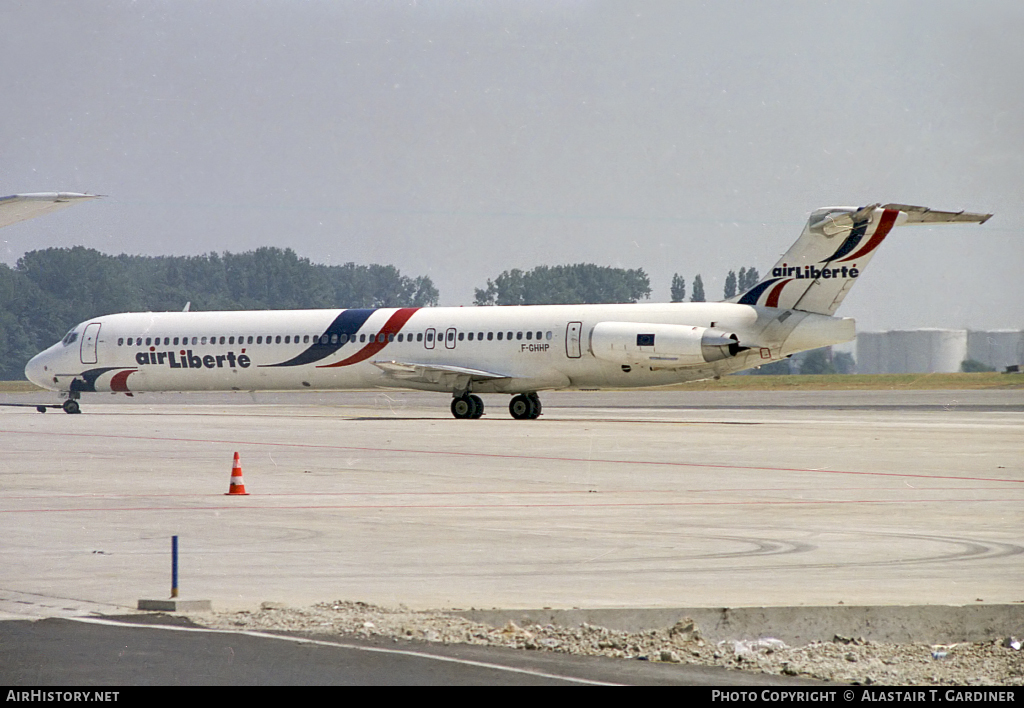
187,306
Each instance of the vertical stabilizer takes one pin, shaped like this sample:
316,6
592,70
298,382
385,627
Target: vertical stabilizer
833,250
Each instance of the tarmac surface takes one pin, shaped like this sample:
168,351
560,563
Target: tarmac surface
67,652
610,500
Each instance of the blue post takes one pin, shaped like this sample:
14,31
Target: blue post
174,566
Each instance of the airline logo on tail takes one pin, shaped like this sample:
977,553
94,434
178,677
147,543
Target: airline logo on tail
840,268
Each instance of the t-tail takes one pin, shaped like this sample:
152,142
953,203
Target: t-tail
834,249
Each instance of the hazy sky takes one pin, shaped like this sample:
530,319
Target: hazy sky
461,139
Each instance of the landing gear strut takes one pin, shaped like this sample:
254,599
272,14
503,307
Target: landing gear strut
467,406
525,406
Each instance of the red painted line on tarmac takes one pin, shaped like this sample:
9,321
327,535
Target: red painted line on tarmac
718,490
262,507
525,458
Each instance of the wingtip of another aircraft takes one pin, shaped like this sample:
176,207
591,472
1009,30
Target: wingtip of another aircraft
55,196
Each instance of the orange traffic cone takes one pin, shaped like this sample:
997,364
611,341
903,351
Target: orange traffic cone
237,485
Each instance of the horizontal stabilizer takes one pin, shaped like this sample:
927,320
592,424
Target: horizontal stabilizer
924,215
19,207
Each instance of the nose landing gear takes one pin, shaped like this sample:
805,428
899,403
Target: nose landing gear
71,404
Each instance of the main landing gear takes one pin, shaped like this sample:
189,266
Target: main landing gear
467,406
525,406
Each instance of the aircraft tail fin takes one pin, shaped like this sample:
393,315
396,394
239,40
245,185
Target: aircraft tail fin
835,246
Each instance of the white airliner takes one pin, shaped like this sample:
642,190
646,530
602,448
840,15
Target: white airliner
466,351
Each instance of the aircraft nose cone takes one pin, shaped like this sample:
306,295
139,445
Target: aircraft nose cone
37,372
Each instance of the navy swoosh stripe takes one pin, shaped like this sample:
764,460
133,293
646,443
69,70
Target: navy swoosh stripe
348,322
850,243
88,381
751,296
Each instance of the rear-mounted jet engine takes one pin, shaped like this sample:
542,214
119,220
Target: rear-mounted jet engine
661,345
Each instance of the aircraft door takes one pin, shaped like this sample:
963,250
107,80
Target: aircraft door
572,340
90,338
449,338
428,338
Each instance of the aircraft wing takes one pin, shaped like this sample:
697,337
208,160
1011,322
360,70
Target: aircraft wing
434,373
19,207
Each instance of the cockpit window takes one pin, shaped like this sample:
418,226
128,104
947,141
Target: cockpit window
69,338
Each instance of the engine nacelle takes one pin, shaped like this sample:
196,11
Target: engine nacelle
661,345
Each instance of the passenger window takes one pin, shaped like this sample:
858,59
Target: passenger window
430,336
305,339
277,339
419,336
529,335
287,339
204,340
250,339
391,337
519,335
460,336
548,336
471,336
501,335
259,339
538,335
120,341
490,336
149,340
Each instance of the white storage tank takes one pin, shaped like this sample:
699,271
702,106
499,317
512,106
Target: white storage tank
924,351
996,348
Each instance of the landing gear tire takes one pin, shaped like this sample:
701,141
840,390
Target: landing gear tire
71,406
537,407
467,407
525,406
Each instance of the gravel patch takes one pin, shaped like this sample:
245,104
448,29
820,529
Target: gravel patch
844,659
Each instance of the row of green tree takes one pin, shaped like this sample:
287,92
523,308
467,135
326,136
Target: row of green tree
734,284
51,290
589,283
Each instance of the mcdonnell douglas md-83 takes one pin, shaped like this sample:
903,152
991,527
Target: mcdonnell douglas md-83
466,351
